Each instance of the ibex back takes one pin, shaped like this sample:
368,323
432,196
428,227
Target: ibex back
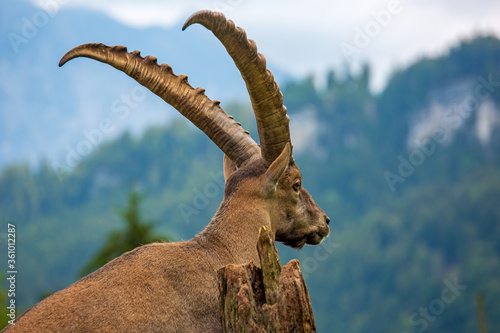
172,287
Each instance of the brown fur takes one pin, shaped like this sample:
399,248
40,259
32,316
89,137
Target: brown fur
172,287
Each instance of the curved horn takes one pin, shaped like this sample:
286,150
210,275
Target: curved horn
265,95
192,103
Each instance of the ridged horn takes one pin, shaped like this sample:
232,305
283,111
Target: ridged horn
265,95
192,103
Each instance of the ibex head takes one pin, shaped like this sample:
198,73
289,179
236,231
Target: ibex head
295,217
298,219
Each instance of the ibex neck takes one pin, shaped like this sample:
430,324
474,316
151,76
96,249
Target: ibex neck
234,231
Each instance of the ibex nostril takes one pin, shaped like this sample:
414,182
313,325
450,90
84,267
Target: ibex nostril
327,220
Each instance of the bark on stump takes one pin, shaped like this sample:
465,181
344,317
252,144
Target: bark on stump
267,299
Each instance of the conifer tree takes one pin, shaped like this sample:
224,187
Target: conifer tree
136,233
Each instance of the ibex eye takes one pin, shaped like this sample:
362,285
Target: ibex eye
296,186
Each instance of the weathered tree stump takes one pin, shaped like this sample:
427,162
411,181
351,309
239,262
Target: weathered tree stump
266,299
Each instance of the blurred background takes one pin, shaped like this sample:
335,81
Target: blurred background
395,119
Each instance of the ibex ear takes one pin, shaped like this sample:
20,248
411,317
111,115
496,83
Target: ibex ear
229,167
276,170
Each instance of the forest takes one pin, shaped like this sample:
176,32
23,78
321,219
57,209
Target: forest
410,177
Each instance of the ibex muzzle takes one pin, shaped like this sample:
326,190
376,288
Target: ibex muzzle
173,287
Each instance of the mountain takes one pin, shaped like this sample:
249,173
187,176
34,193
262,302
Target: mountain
409,176
445,92
46,111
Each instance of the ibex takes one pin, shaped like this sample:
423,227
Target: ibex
173,287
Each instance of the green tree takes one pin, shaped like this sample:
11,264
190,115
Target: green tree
136,233
4,319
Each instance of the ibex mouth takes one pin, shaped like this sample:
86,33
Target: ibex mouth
316,238
296,243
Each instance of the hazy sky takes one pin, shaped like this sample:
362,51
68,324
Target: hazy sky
312,36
